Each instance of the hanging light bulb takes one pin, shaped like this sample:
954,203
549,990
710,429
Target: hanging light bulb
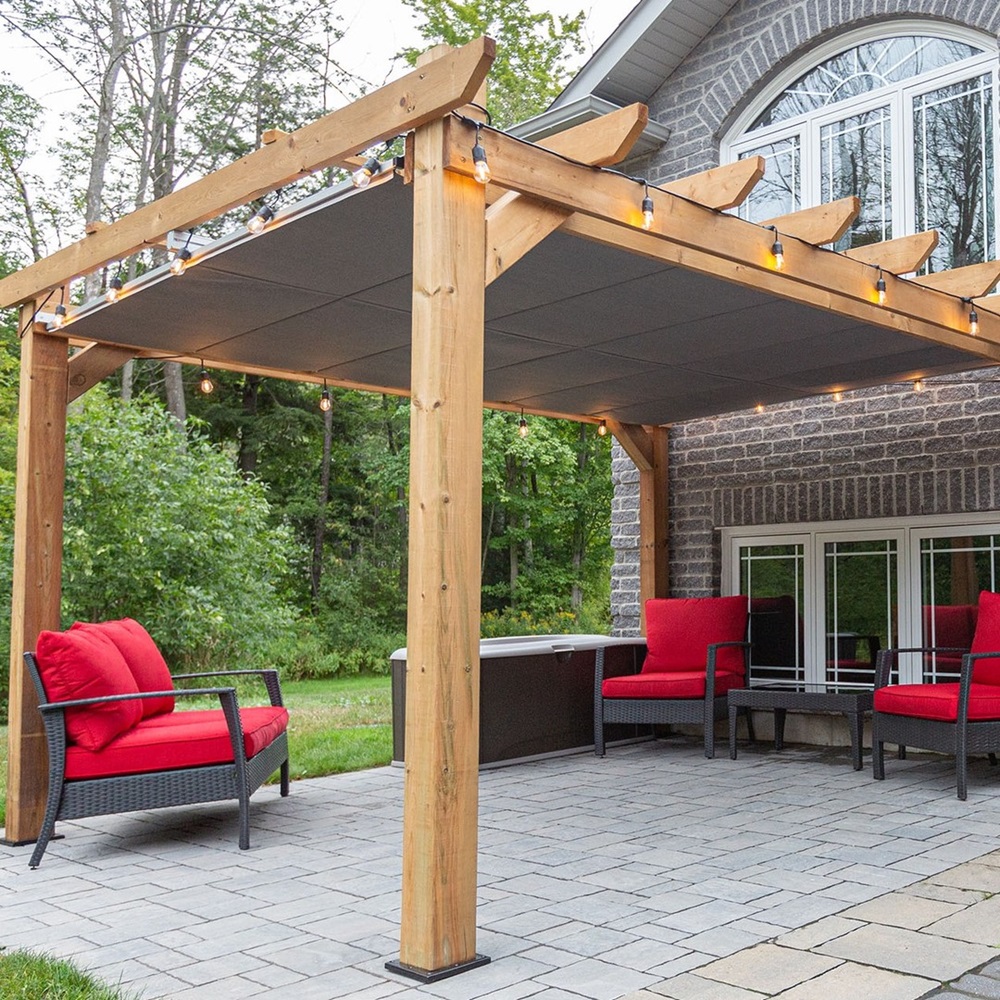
363,175
759,408
205,382
180,261
480,168
918,385
777,250
973,320
647,211
325,403
522,427
602,428
260,219
114,289
838,396
880,287
60,317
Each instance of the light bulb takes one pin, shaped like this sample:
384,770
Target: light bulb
180,261
838,396
973,321
759,408
880,288
779,255
259,219
205,382
647,213
363,176
602,428
522,428
114,289
60,318
325,403
480,168
918,385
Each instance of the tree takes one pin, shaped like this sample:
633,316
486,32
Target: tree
532,49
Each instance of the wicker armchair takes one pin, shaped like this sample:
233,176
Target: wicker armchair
695,653
957,718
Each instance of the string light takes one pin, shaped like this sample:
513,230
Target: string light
205,382
480,168
880,287
325,403
759,408
180,261
522,427
838,396
973,318
647,209
114,289
363,175
918,385
777,250
602,428
259,220
60,317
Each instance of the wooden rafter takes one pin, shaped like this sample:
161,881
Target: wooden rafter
635,440
515,223
421,96
721,187
970,281
820,225
899,256
723,245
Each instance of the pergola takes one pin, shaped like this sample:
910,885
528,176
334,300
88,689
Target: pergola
544,291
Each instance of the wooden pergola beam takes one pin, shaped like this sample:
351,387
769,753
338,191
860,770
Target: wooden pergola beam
899,256
720,187
969,282
724,245
819,225
424,95
92,364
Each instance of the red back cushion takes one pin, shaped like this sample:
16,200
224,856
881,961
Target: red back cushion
84,663
680,629
143,658
987,638
953,625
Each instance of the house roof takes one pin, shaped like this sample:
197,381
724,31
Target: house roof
575,327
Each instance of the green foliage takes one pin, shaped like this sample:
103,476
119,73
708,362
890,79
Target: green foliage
160,527
308,653
26,975
530,68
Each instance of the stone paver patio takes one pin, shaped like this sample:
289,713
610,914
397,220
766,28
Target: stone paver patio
651,873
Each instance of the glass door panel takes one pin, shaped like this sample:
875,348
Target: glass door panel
773,577
779,191
861,597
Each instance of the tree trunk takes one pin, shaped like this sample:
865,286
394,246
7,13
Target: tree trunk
174,385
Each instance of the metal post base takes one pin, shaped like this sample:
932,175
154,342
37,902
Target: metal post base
425,976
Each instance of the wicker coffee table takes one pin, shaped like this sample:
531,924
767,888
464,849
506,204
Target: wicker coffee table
853,702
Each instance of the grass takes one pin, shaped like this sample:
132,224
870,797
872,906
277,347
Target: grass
338,725
28,976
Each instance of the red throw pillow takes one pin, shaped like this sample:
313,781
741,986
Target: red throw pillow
680,629
83,663
144,659
987,638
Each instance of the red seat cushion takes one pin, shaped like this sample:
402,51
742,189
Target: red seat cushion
938,701
85,663
680,629
670,684
176,740
987,639
143,657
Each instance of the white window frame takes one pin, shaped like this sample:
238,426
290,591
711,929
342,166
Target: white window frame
908,533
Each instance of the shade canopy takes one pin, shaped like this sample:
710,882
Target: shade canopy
574,327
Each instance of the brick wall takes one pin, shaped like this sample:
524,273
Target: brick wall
880,452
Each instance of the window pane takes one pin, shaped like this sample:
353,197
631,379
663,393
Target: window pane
780,190
861,602
952,573
953,168
857,159
772,577
861,70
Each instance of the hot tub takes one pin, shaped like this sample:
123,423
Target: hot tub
536,694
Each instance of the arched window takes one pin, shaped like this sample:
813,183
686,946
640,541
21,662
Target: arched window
904,121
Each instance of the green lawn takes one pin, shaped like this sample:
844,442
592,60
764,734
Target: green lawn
28,976
336,726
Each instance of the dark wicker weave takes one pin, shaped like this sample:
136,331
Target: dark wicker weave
154,790
663,711
959,738
780,699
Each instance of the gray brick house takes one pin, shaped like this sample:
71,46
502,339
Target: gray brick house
875,513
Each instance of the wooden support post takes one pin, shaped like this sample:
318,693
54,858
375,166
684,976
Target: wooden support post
36,591
441,791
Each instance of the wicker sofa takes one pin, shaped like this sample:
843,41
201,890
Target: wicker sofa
116,743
